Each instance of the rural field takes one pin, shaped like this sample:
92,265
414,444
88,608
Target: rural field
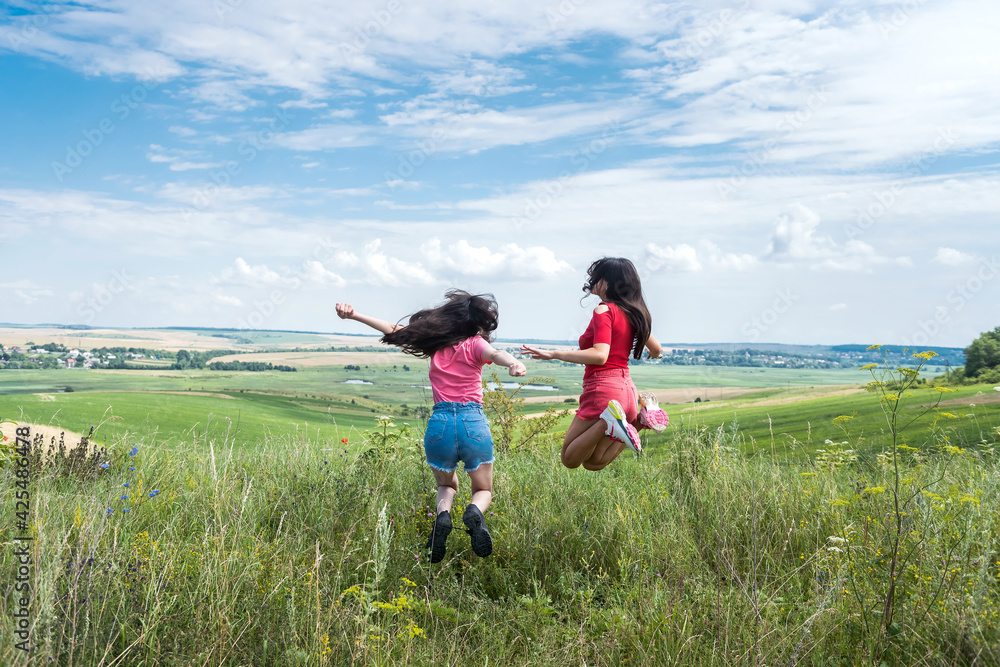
285,514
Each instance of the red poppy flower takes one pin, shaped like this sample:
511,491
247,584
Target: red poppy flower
344,440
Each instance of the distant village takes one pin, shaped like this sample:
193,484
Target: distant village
55,355
840,356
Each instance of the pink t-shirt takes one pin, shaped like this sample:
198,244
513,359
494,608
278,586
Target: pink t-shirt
457,372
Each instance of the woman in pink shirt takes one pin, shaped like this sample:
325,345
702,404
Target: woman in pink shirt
609,412
455,336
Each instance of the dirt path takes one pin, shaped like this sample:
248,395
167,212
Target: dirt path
311,359
667,396
154,391
51,434
826,392
978,399
710,396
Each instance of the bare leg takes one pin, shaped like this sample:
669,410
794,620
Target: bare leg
447,488
482,486
582,438
604,454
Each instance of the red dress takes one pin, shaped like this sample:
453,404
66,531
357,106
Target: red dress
610,380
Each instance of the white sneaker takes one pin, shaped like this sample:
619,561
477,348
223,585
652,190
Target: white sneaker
651,415
618,428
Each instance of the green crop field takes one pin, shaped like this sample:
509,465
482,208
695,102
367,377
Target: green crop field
785,411
322,397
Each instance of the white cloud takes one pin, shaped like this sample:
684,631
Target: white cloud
509,261
384,271
307,272
684,257
227,300
327,137
451,125
313,271
952,257
182,131
175,158
247,274
681,257
794,240
27,291
792,84
727,260
302,104
480,79
838,306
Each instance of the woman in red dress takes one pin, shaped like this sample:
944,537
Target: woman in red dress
609,409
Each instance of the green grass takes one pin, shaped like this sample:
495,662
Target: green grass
805,425
249,416
279,554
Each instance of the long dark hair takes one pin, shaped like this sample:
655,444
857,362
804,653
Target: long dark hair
461,316
625,291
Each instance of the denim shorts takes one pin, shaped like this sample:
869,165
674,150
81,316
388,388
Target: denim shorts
458,432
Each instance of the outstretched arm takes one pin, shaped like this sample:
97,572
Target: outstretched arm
503,358
346,312
597,355
653,345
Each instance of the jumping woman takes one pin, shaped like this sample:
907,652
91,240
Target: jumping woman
609,414
455,336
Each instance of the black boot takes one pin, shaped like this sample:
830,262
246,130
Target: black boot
439,536
482,543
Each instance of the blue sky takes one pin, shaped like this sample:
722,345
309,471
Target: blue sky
785,171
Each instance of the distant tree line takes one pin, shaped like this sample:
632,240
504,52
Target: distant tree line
249,366
982,361
121,358
196,359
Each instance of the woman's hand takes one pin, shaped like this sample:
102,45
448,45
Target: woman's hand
345,311
517,369
538,354
654,347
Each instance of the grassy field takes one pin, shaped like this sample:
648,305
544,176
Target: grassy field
182,405
283,553
787,412
228,502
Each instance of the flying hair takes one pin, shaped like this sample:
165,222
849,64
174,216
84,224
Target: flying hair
625,291
460,317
